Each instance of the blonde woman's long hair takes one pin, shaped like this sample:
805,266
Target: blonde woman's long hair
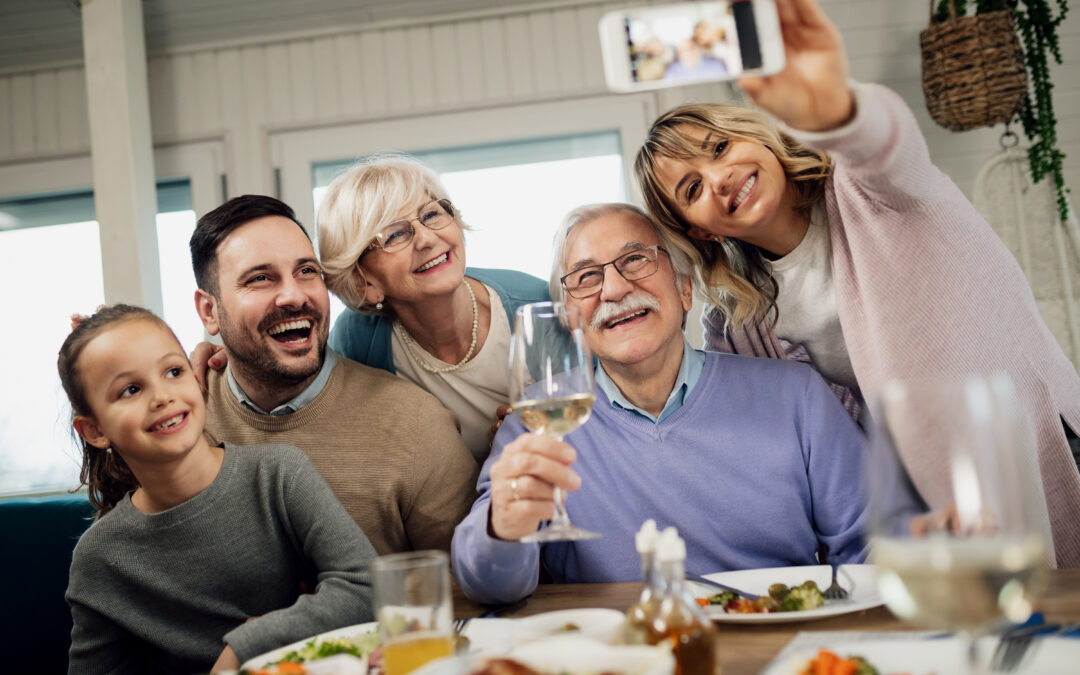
734,275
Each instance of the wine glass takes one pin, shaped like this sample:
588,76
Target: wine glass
976,559
551,388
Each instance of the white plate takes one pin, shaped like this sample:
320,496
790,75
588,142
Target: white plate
604,625
897,654
859,580
348,632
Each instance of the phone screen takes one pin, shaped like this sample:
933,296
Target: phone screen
692,42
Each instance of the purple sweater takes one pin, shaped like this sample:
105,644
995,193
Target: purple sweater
925,287
760,467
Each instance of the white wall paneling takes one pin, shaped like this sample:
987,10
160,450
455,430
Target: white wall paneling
418,71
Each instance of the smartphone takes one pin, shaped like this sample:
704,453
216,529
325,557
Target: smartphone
705,41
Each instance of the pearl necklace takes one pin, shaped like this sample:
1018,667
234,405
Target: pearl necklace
412,346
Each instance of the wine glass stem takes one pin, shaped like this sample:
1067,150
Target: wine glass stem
561,517
971,644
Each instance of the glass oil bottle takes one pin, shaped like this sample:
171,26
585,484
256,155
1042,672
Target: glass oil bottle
678,618
640,614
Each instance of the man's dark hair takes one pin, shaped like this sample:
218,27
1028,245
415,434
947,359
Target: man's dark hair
214,227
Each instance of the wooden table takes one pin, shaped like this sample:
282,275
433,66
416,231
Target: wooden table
746,649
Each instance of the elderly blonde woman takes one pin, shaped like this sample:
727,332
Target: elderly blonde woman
838,235
393,249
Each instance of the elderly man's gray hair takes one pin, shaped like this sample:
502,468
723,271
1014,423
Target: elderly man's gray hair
682,261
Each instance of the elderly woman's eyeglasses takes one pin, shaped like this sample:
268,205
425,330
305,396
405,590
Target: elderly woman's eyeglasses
637,264
397,235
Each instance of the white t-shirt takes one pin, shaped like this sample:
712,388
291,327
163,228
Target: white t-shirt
472,392
806,301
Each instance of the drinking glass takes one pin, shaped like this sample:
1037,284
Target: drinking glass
412,603
551,388
976,560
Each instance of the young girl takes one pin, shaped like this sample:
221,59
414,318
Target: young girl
873,260
197,555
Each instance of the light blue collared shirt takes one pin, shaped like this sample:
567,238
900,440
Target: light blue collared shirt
693,362
301,400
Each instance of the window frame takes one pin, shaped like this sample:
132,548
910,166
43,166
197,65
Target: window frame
294,153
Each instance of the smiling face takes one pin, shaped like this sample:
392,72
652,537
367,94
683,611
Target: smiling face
628,323
734,189
431,266
272,308
143,398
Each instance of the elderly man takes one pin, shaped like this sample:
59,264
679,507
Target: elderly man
754,460
388,449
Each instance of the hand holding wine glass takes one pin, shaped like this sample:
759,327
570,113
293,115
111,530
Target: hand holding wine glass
976,561
551,388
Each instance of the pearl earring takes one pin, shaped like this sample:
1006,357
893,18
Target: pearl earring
378,306
108,450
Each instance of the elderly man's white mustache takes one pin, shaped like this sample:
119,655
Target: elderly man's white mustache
633,302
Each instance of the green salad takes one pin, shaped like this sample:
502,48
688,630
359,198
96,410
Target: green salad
360,645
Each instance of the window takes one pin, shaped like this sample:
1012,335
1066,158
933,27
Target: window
514,194
50,252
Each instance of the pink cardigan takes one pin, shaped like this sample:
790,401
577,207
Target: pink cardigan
925,287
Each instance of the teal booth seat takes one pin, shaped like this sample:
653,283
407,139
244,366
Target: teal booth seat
38,535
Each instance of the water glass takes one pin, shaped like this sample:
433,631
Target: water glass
413,605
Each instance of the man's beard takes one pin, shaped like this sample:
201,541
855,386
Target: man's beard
254,360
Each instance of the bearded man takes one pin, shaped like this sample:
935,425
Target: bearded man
389,450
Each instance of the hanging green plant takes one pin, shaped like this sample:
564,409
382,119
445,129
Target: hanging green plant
1037,26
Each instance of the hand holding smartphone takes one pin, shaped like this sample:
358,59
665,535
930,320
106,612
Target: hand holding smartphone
672,45
787,55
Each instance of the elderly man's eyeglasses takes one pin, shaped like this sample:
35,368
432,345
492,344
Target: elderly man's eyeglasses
397,235
637,264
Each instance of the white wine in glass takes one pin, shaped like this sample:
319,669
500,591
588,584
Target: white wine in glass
551,388
976,560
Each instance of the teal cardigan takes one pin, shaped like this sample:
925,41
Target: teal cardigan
366,337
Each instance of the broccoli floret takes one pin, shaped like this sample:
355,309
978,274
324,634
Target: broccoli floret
803,597
722,598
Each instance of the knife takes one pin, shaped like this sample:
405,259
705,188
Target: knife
716,584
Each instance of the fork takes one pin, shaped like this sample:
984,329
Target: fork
460,623
835,591
1014,644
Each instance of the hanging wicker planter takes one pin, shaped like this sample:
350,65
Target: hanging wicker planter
973,69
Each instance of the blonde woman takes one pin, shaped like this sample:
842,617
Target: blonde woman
393,249
834,234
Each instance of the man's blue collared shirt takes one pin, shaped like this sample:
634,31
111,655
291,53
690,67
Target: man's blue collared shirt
301,400
689,373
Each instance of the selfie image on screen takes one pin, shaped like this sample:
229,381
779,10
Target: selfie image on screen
697,43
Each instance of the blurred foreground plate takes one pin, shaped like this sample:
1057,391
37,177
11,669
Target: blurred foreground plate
567,654
859,580
895,652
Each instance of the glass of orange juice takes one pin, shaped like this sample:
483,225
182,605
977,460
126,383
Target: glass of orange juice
412,602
